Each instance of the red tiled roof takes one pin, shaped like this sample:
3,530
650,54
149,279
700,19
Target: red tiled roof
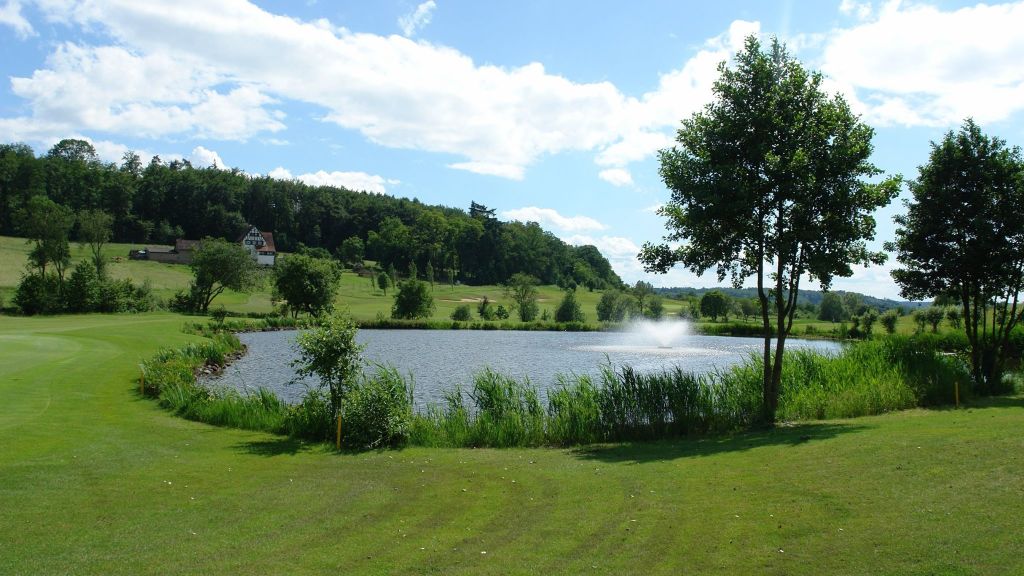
268,237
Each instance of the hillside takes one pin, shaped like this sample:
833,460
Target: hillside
159,202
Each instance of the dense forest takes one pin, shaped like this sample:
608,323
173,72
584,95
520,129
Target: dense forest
159,202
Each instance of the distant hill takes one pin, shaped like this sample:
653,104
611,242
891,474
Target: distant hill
806,296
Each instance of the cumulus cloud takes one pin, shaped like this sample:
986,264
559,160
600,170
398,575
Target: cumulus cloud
202,157
549,216
10,15
358,181
616,176
193,69
917,65
416,20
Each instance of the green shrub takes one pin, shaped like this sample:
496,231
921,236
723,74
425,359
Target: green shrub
462,313
377,412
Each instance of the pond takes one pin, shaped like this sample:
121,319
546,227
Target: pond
440,359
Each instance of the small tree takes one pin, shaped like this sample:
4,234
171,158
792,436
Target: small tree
954,317
867,321
217,266
522,290
330,352
383,281
569,309
714,304
352,251
920,320
413,300
889,320
748,308
641,291
46,224
831,309
655,308
605,306
308,284
485,309
934,316
430,274
462,313
94,232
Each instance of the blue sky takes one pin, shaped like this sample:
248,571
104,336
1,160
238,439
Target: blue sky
545,111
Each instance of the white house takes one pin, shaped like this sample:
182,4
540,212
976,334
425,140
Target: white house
260,245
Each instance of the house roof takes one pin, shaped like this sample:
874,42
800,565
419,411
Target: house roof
268,237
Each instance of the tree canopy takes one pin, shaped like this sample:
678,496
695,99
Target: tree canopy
308,284
963,235
157,202
217,266
766,181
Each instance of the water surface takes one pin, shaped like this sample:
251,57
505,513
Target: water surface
440,359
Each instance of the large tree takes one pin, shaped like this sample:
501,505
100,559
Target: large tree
217,266
766,181
307,283
963,234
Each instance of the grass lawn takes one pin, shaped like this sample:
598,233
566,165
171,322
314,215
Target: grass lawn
94,480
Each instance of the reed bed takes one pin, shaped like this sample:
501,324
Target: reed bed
619,404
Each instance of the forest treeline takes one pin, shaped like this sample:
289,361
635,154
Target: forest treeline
157,202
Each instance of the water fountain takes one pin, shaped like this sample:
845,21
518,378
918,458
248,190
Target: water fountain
664,334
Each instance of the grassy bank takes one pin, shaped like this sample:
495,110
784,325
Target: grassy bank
94,480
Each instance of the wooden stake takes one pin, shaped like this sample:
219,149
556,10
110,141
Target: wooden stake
338,440
956,388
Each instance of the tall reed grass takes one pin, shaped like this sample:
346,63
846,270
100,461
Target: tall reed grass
619,404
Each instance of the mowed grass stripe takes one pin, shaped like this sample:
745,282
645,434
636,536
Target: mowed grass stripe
102,482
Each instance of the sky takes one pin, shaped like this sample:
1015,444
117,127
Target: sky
545,111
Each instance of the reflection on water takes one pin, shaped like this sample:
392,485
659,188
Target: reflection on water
439,360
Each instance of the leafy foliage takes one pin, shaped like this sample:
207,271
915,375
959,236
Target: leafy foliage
158,202
308,284
217,266
413,300
569,309
975,251
522,290
330,352
767,182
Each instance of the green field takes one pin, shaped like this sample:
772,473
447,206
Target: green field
363,301
95,480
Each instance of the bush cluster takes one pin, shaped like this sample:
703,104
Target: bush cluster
84,291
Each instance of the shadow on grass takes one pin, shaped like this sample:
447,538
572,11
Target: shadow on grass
277,447
653,451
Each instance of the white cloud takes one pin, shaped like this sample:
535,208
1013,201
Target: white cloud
859,10
917,65
616,176
357,181
10,15
510,171
112,89
549,216
215,71
416,20
202,158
